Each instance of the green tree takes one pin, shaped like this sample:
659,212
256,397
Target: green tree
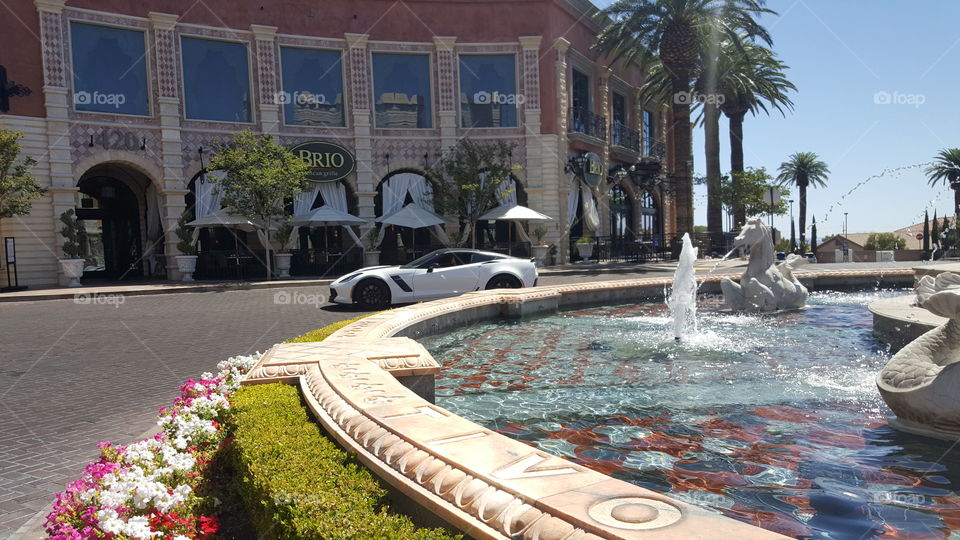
946,169
679,31
884,242
803,169
260,178
18,187
926,231
935,233
468,180
185,234
749,190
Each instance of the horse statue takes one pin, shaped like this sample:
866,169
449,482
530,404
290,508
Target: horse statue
764,286
922,381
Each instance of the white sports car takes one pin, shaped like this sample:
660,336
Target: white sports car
442,273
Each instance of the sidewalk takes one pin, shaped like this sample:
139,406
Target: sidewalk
155,287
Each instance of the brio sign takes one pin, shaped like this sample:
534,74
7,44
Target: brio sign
328,162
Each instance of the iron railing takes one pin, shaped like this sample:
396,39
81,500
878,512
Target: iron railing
588,123
315,262
625,137
654,148
630,248
231,265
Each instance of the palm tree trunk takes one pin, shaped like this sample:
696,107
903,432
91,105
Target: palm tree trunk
736,163
803,214
682,150
711,132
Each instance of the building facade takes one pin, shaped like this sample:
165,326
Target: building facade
128,99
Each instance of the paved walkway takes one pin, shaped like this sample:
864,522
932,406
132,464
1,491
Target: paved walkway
74,373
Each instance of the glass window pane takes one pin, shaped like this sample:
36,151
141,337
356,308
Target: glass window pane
401,84
488,90
312,87
216,80
581,91
109,72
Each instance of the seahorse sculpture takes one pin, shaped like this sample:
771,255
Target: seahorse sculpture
764,286
921,383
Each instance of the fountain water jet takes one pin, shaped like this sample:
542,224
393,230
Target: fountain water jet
683,295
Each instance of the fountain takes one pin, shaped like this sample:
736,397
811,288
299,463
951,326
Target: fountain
682,300
921,381
764,286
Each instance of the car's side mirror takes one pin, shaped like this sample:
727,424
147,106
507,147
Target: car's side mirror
432,267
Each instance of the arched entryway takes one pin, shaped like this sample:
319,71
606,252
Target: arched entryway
400,188
329,249
117,206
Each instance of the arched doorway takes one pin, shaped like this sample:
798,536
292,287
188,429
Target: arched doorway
622,237
650,227
398,189
331,249
123,237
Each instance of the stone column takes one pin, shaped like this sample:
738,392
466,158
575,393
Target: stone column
265,51
541,175
562,46
448,91
358,77
56,71
172,188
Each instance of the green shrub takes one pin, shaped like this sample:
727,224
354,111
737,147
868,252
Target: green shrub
297,484
323,333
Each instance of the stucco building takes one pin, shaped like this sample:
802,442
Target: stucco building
128,98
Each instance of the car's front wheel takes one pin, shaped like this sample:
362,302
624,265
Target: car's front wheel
504,281
372,294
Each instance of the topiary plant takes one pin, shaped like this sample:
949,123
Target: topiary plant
185,234
282,236
539,234
72,232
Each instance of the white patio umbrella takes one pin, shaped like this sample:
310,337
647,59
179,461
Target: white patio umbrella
325,216
224,218
412,216
514,213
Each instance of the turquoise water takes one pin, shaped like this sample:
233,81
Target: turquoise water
770,419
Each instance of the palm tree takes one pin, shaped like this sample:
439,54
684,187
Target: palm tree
756,80
946,169
803,169
679,30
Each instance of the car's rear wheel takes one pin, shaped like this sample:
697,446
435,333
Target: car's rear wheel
504,281
372,294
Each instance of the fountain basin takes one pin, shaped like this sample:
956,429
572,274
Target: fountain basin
482,482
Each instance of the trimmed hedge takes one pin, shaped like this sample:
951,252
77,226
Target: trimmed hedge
323,333
297,484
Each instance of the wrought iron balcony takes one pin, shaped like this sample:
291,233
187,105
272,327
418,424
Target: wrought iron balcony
654,148
625,137
588,123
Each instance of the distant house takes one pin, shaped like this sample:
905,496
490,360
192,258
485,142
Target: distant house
852,241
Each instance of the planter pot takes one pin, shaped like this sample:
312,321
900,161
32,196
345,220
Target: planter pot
73,270
585,251
282,262
371,258
540,254
187,265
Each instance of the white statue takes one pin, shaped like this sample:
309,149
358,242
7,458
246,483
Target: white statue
764,286
921,383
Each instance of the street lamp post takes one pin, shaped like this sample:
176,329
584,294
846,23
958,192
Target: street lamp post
793,230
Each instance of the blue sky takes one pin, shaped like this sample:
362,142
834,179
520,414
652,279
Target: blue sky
841,54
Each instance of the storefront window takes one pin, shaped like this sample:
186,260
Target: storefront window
401,84
488,90
109,72
216,80
312,92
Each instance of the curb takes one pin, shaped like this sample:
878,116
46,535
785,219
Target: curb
64,294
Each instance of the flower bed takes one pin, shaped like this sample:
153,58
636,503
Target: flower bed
151,488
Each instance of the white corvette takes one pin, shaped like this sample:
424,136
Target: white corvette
440,274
